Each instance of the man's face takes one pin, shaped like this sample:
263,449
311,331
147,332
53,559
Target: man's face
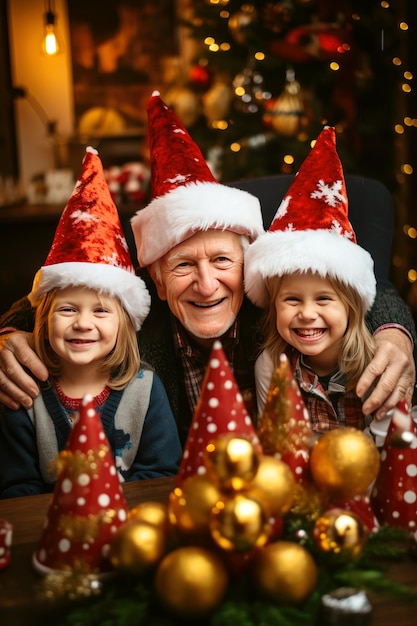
202,281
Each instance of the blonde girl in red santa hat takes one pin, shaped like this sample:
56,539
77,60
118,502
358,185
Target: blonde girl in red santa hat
316,285
89,305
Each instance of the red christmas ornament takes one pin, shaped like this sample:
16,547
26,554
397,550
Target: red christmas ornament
200,76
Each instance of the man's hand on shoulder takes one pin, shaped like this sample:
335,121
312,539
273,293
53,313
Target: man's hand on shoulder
17,357
391,373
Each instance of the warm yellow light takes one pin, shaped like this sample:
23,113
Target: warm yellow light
259,56
334,66
408,75
406,168
399,129
235,147
397,61
412,276
384,4
209,40
288,159
412,232
51,42
406,88
224,47
403,26
408,121
214,47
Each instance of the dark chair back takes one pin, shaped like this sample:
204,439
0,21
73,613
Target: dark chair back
371,212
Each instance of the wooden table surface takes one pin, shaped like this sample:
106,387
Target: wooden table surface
18,581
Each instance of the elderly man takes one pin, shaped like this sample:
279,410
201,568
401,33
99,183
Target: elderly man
191,239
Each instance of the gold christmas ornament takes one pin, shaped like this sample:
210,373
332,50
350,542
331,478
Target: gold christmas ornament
273,485
239,523
137,546
344,462
185,103
191,581
232,461
341,533
286,113
285,572
217,101
154,513
190,506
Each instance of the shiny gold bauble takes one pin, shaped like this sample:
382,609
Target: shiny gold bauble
344,462
186,104
154,513
340,533
191,581
285,572
239,523
190,505
232,461
273,485
137,546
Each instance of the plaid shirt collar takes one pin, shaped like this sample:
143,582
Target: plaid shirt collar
194,361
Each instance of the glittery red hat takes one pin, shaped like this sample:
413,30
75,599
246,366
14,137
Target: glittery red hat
311,230
220,410
89,248
186,196
88,504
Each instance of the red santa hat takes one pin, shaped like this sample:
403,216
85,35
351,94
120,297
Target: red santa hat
186,196
89,248
88,504
311,230
394,495
220,410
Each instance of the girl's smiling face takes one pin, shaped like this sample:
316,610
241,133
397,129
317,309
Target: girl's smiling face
82,326
311,317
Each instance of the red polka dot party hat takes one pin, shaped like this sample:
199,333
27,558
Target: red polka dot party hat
394,495
88,504
220,410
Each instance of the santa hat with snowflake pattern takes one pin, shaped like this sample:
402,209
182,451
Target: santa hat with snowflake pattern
186,196
89,248
311,230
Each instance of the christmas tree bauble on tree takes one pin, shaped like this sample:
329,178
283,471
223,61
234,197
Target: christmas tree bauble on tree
284,114
340,533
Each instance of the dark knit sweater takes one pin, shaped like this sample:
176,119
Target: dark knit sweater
138,423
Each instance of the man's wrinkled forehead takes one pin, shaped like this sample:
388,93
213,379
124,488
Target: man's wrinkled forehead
206,244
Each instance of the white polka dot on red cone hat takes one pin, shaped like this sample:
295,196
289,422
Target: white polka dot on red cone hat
89,248
88,504
394,495
311,230
186,198
220,410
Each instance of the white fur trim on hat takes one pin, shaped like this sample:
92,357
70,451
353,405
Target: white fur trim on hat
114,281
319,251
171,219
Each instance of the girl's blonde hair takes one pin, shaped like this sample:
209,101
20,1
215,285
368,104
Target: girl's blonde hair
122,363
357,347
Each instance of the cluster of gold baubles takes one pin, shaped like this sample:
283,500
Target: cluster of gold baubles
229,519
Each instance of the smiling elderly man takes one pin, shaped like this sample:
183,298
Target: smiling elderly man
191,239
